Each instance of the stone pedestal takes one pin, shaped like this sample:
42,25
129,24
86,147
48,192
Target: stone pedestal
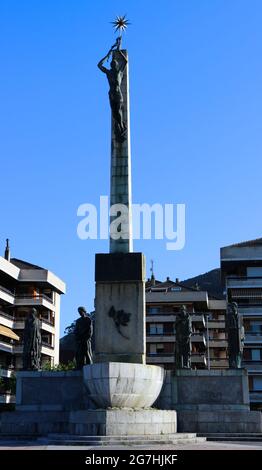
57,402
123,422
120,285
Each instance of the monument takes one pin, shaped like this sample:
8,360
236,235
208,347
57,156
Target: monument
110,400
119,377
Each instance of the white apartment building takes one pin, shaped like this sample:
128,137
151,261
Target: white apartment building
23,286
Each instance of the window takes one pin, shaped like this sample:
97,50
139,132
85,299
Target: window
160,348
255,327
254,271
156,348
153,310
255,354
257,383
156,329
152,349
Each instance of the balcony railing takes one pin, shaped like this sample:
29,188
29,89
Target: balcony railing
161,333
253,337
6,315
7,291
23,319
244,281
48,322
34,297
150,354
47,345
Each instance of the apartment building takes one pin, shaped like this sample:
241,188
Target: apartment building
241,268
209,344
23,286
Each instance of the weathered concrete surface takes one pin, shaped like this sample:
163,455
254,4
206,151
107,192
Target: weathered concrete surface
115,341
51,391
124,422
205,390
210,401
117,384
220,421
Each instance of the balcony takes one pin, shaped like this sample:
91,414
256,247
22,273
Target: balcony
218,363
216,324
7,296
252,366
199,320
34,301
252,337
255,396
160,358
6,320
19,324
217,343
198,338
160,318
244,282
198,359
46,349
160,338
6,347
250,310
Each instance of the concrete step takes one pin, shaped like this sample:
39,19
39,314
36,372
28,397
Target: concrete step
243,437
65,439
128,437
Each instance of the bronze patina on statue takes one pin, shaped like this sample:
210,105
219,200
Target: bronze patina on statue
235,336
32,342
115,76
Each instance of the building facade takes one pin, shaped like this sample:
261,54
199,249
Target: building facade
163,302
23,286
241,268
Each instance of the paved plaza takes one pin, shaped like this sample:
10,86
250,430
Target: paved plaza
19,445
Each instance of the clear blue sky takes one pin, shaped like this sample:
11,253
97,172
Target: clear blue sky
196,109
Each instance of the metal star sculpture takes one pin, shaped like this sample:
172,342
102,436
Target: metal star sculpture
120,24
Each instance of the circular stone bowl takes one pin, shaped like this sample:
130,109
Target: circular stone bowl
123,385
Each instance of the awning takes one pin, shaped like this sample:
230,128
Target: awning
8,332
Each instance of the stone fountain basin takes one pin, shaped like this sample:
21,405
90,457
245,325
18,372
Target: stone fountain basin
123,385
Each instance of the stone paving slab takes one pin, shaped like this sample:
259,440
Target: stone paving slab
14,445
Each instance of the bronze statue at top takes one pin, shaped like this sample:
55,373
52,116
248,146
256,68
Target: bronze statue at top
115,76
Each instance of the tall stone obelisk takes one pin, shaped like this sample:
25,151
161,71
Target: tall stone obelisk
120,182
120,275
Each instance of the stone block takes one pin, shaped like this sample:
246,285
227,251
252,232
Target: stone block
118,267
51,391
